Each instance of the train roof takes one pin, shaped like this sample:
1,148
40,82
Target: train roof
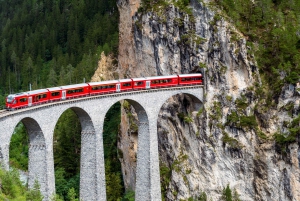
37,91
190,75
74,86
139,79
162,77
54,89
104,82
125,80
17,95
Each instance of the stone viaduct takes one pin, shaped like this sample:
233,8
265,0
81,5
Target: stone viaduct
40,122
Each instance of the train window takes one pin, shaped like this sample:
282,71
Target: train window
103,87
55,93
22,100
138,83
75,91
190,79
127,84
111,86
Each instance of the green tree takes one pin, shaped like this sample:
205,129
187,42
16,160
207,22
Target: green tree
34,194
72,195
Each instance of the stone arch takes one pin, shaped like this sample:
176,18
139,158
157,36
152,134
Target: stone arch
143,150
197,102
37,163
174,131
88,179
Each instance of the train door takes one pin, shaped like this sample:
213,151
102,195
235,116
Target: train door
148,84
29,101
63,96
118,87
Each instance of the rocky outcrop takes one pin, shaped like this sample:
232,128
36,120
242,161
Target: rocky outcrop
106,69
228,141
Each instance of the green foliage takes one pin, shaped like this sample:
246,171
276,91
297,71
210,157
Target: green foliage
12,188
63,184
72,195
241,103
113,181
188,119
241,121
165,178
216,111
66,147
284,139
248,121
274,26
129,196
227,194
40,41
114,188
18,149
67,143
202,197
261,135
202,65
231,142
34,194
200,111
2,100
229,98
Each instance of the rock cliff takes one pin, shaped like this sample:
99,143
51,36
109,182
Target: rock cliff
229,141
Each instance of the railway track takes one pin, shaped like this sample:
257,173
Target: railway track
2,112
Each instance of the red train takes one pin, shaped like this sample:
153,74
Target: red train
40,96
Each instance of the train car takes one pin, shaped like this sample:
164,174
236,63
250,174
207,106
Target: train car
187,79
163,81
75,91
15,101
140,83
125,85
103,87
55,94
26,99
39,96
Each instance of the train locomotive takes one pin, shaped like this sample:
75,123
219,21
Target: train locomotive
41,96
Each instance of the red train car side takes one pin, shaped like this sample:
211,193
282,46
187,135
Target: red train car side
163,81
140,83
75,91
27,99
38,97
187,79
103,87
55,94
125,85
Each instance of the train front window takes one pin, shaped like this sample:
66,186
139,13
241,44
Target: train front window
10,99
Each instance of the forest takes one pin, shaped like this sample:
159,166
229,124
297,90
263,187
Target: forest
47,43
